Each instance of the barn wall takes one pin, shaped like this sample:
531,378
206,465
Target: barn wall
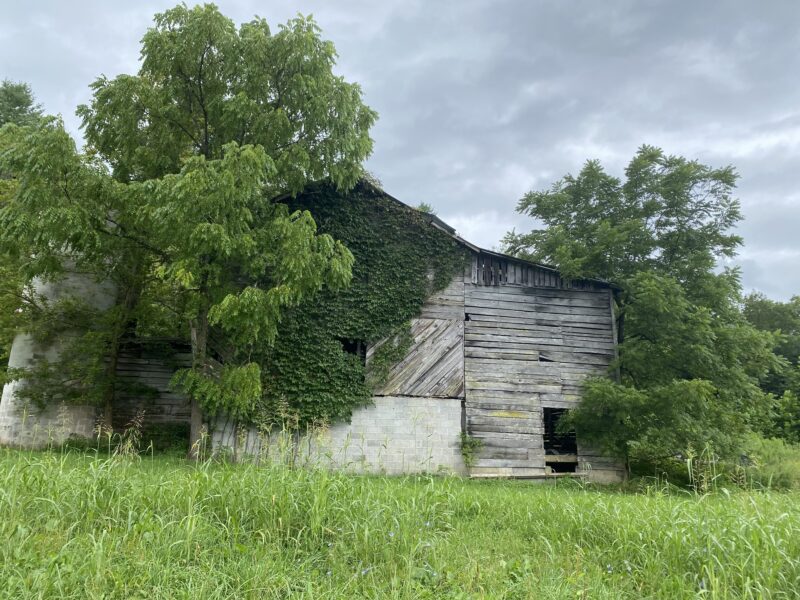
505,340
530,339
414,423
434,365
144,373
395,435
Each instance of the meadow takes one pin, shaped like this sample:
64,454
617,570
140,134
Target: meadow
77,525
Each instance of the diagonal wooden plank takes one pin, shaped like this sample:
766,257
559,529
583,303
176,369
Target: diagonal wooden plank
434,366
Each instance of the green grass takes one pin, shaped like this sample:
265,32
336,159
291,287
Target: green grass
76,526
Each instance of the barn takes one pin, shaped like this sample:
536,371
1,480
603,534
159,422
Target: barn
495,355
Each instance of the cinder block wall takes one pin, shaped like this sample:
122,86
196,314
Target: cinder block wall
394,436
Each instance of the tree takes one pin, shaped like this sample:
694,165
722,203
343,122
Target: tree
783,320
202,143
17,107
18,104
689,362
53,226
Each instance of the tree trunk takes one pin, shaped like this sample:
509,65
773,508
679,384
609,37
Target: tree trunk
199,332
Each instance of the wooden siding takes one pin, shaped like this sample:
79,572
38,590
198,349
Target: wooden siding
526,348
143,384
491,269
447,304
434,366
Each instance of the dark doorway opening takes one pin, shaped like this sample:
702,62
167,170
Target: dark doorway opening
560,449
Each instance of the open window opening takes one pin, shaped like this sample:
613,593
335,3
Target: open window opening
560,449
356,347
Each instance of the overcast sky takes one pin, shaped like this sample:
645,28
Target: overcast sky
480,102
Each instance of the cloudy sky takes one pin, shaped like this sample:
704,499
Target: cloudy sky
482,101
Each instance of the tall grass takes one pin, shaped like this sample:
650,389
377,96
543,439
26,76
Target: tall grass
77,526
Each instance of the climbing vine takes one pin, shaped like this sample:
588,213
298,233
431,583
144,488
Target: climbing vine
388,353
400,260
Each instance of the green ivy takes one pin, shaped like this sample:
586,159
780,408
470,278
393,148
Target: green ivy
400,260
388,353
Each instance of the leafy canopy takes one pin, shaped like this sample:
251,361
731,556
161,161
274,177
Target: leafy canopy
400,260
670,216
783,383
17,107
180,191
689,363
18,104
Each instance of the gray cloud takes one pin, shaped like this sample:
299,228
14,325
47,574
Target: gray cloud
481,101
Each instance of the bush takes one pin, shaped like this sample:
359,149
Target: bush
774,463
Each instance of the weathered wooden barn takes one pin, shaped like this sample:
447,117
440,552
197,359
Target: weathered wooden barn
513,341
497,356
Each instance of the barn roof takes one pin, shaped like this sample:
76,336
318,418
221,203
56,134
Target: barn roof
451,231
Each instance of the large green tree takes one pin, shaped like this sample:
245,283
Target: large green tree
17,107
689,362
783,319
201,144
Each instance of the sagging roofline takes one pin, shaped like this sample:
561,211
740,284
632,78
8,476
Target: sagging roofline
437,222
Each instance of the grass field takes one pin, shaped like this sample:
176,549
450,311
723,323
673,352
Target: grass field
77,526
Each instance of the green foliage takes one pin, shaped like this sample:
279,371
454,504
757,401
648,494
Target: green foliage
690,363
59,214
204,84
785,418
400,260
18,104
71,340
216,121
671,216
170,438
155,528
12,314
782,319
470,448
774,463
652,425
52,224
233,389
426,208
17,107
174,199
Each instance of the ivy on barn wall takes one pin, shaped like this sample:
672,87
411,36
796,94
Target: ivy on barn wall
400,260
